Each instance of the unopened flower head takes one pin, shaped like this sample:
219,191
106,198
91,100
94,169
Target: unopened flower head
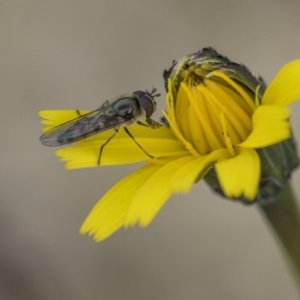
218,108
222,124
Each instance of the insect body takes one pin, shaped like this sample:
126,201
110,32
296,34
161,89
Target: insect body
125,110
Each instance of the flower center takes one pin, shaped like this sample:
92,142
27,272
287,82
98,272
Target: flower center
212,113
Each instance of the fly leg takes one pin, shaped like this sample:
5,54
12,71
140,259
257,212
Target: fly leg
131,136
102,146
142,124
150,123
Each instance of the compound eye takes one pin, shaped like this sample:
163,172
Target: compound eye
147,102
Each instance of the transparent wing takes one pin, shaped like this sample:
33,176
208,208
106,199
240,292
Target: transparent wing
81,127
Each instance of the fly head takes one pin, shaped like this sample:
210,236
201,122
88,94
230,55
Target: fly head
147,101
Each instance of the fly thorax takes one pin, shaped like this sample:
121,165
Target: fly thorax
127,108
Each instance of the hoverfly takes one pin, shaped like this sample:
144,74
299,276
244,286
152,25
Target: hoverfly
123,111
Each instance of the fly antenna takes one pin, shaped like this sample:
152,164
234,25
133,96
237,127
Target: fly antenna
154,90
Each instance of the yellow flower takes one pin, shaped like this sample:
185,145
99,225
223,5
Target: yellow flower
218,117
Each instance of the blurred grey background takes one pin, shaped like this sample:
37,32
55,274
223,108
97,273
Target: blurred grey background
76,54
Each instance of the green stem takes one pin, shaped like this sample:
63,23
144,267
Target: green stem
283,215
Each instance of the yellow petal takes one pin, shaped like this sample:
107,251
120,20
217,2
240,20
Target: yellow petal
188,173
154,192
117,151
53,118
239,176
237,87
109,214
180,137
285,87
270,126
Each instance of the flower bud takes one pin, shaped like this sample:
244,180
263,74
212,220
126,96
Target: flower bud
217,104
